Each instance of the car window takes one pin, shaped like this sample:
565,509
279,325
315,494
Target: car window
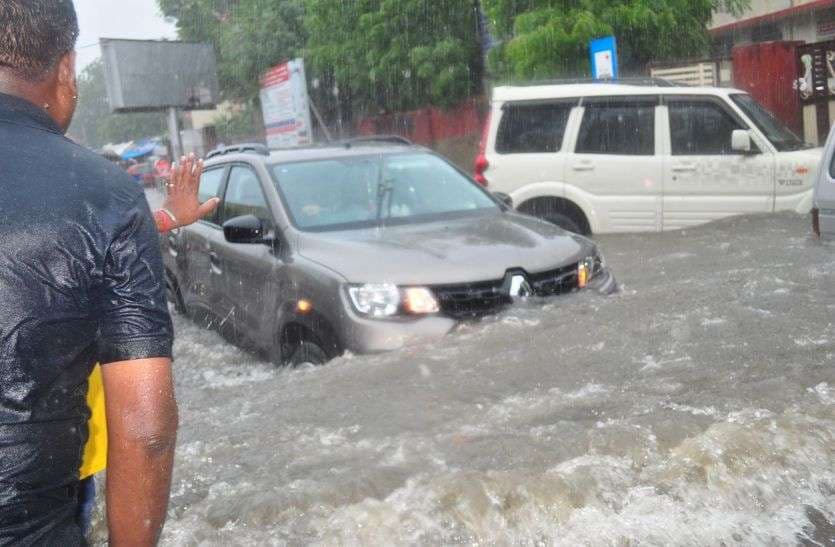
532,128
361,191
244,196
775,130
618,128
701,128
210,183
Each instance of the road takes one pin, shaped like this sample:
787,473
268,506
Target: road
697,407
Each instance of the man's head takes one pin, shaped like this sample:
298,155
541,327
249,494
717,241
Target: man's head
37,59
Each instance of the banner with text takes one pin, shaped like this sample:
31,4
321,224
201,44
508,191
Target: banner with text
286,106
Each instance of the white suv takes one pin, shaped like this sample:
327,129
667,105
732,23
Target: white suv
609,157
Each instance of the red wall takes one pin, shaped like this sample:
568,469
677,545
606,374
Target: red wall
768,72
427,126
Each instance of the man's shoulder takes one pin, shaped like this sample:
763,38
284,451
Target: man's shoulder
100,168
96,174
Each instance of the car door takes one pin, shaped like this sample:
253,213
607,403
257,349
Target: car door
704,178
194,249
249,270
615,166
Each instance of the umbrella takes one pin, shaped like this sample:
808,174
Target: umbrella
140,148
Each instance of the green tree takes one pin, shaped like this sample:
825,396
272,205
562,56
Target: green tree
95,125
249,37
548,38
394,54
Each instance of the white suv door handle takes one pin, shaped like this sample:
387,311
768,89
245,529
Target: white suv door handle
684,167
583,167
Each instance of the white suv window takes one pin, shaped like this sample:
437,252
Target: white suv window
532,128
618,127
701,128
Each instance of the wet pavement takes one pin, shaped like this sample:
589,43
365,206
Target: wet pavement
697,407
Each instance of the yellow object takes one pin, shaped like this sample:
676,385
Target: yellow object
95,451
304,306
420,301
582,276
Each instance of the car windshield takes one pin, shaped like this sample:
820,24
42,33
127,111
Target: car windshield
356,192
777,132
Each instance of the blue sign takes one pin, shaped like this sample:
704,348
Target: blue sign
604,58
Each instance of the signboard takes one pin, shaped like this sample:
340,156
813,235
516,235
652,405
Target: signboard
286,106
152,75
604,58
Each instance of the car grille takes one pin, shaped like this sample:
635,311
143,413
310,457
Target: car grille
473,300
554,282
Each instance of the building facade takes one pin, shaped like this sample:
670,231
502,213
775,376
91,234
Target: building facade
806,21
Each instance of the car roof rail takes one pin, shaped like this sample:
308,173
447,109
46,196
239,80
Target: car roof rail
638,81
243,148
370,139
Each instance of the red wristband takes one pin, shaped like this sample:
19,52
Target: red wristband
164,222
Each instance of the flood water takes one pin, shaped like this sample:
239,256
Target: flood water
697,407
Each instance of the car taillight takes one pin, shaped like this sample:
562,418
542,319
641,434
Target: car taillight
481,163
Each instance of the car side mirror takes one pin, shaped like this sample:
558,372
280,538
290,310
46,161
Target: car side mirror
504,198
244,229
741,141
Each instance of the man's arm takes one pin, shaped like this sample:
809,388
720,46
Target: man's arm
142,430
134,347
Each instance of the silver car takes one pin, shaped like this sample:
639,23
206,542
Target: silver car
366,247
823,211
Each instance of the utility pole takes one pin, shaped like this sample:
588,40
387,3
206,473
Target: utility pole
174,134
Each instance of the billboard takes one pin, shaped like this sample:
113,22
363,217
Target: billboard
149,75
286,106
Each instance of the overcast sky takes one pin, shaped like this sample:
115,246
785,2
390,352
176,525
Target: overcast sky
117,19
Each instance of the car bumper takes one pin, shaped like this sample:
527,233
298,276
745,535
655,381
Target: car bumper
604,283
376,336
362,336
826,223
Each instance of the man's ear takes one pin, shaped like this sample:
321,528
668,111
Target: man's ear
66,69
66,90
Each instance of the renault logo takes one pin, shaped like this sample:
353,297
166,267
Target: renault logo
519,287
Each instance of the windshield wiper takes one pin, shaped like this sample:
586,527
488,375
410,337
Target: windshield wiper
384,188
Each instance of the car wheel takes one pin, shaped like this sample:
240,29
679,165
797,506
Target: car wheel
296,346
564,221
307,352
561,212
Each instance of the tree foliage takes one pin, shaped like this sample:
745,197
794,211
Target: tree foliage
395,54
95,125
548,38
369,56
249,36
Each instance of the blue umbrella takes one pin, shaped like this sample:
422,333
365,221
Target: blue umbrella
140,148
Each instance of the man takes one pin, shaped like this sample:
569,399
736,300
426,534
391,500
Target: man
81,280
181,201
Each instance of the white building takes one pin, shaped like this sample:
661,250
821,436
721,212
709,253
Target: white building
773,20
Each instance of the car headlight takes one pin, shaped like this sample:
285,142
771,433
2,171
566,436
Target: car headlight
589,268
386,300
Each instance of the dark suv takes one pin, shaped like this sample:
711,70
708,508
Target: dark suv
365,246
